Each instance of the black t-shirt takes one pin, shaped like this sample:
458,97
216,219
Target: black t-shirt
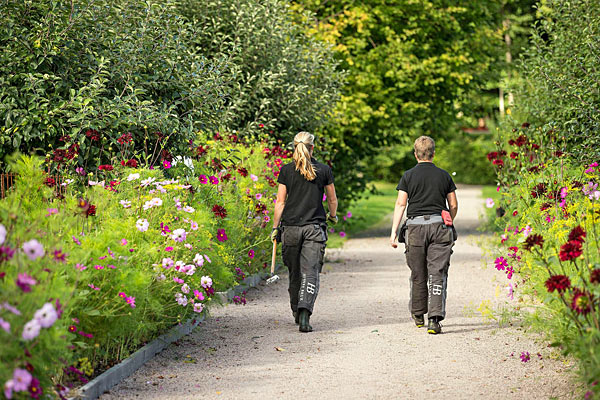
304,204
427,187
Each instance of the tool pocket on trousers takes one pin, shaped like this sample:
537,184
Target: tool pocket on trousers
413,236
291,236
445,234
321,258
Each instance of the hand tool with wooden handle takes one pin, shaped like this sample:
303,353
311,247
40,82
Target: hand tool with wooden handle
273,278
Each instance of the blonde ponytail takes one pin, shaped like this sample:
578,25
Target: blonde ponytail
303,144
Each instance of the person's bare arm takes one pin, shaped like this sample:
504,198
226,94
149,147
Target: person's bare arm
332,202
279,204
452,204
399,208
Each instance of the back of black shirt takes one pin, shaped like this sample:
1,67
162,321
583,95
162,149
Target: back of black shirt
427,187
304,204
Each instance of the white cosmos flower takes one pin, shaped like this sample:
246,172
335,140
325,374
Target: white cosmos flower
147,182
188,209
199,260
148,205
156,201
206,281
142,225
125,203
133,177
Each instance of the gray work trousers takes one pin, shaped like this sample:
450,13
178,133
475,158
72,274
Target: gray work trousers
428,250
303,249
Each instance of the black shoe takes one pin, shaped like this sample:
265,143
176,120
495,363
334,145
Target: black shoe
419,320
296,315
434,326
303,319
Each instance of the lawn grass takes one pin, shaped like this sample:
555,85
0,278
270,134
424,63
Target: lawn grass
366,213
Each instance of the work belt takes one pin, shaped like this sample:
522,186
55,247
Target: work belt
424,220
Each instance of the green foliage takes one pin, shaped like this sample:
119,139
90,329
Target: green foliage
128,67
559,82
129,253
278,76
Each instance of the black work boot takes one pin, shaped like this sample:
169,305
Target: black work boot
419,320
296,315
434,326
303,319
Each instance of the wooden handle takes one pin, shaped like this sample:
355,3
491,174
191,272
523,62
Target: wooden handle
273,257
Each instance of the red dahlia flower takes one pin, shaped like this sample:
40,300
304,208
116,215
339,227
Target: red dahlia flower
570,250
219,211
595,276
560,283
577,234
91,211
492,155
582,302
533,240
105,167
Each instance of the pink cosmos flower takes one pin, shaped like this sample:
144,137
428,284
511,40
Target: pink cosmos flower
221,235
51,211
267,218
193,226
31,330
348,214
46,315
166,164
500,263
203,179
199,295
178,280
33,249
207,259
125,203
185,288
213,180
10,308
179,235
253,177
25,282
21,380
80,267
123,242
167,263
122,295
489,202
251,254
526,231
503,238
510,290
5,325
91,285
258,196
130,301
98,267
8,389
169,248
198,307
343,234
525,356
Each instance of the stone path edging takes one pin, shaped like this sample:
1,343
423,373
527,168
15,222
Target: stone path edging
114,375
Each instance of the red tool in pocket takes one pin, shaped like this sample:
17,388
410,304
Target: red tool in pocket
447,218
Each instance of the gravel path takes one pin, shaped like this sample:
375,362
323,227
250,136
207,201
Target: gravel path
365,345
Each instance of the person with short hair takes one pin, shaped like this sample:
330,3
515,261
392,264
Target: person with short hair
430,234
303,230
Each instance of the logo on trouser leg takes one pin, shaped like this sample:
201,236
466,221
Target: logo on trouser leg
310,288
436,290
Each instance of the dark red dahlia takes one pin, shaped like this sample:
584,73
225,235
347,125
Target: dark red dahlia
533,240
492,155
514,155
577,234
582,302
570,250
545,206
91,211
521,140
106,167
242,171
560,283
219,211
595,276
201,150
50,182
525,125
498,162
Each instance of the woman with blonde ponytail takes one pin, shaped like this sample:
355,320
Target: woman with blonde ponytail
303,229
